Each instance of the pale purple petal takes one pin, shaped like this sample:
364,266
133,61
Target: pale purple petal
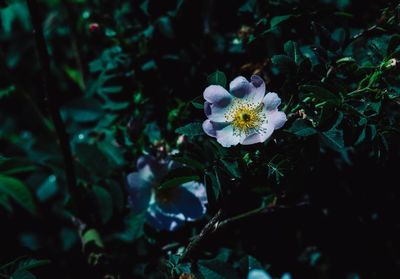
180,203
139,191
226,137
240,87
160,221
199,190
258,85
216,94
218,113
259,137
209,128
207,108
258,274
276,118
271,101
254,91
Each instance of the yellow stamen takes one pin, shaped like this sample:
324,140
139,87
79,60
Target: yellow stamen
246,117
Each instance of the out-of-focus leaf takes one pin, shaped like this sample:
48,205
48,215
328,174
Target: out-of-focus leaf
22,274
93,159
284,63
5,92
83,110
276,20
92,235
191,129
217,78
134,223
47,189
152,131
19,192
103,204
27,264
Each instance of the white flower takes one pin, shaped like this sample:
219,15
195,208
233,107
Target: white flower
244,115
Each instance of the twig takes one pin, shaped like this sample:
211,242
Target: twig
51,100
208,229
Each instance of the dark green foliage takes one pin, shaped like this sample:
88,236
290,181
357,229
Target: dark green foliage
318,199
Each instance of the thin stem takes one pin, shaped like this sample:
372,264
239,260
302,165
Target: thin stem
209,228
51,100
242,216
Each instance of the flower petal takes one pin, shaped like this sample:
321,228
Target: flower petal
276,118
260,136
258,274
209,128
160,221
180,203
226,137
216,94
199,190
207,108
218,113
271,101
258,85
240,87
139,191
254,91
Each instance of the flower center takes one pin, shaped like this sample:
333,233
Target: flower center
245,117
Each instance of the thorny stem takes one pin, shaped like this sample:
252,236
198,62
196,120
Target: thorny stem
215,224
209,228
51,100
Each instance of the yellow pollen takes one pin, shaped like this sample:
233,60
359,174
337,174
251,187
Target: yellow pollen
245,117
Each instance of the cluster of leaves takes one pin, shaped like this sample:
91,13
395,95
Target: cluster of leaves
128,79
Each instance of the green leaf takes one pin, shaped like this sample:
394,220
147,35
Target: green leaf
292,50
217,78
19,192
232,168
47,189
134,227
190,162
276,20
27,264
191,129
345,60
213,188
152,131
284,63
83,110
103,204
93,159
177,181
333,139
7,91
302,128
5,202
22,274
216,269
92,235
319,93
